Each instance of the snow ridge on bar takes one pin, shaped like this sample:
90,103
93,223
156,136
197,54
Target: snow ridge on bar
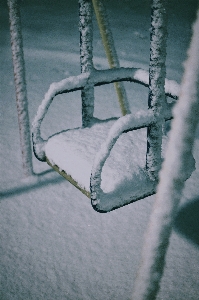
95,78
124,124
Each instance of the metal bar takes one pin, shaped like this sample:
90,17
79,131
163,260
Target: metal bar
177,167
20,86
75,83
86,58
101,201
108,42
157,74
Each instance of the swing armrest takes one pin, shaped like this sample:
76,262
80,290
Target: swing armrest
70,84
93,78
124,124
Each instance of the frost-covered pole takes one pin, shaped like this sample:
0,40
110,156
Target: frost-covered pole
177,167
110,50
157,74
86,57
20,85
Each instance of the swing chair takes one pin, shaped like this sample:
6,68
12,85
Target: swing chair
105,159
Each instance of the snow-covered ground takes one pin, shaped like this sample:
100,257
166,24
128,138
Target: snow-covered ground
53,245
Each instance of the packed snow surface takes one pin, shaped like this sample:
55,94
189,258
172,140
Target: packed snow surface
53,244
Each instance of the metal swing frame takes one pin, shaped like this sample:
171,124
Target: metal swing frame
158,109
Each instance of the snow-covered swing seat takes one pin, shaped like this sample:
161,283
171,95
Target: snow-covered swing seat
114,162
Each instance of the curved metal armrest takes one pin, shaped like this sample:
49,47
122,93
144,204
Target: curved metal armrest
124,124
95,78
64,86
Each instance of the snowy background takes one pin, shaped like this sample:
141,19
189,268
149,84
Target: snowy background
53,245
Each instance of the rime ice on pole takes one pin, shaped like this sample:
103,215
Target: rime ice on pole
157,75
20,86
177,167
86,58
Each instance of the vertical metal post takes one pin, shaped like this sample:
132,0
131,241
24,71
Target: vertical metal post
86,58
177,167
157,74
20,85
111,53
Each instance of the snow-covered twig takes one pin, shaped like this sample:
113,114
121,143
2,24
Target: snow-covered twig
177,167
20,86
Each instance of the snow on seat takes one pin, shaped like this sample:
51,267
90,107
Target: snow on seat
123,177
73,151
